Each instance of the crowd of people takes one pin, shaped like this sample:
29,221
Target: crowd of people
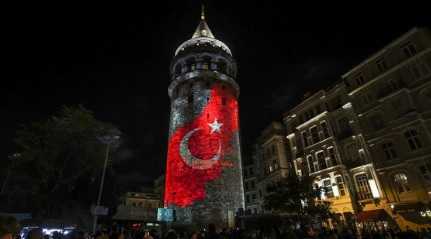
210,232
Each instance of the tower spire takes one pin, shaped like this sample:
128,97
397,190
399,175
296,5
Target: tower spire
202,12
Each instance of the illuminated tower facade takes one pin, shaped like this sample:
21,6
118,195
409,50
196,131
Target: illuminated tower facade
203,171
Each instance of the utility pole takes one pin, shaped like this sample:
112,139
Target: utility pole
108,140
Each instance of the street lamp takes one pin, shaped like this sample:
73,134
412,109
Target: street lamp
12,158
108,140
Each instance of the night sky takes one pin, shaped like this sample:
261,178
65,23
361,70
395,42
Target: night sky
115,62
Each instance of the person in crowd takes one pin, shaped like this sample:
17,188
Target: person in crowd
171,234
147,235
35,233
8,227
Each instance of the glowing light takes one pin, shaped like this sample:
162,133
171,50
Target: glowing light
335,190
374,189
200,158
348,105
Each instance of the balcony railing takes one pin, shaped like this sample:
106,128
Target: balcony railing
387,90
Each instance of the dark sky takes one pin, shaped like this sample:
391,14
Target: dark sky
114,60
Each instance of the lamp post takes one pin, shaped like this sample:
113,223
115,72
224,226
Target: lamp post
12,158
108,140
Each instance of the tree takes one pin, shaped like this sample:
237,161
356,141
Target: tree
61,158
297,196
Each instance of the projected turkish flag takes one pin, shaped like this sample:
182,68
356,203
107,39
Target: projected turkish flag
197,150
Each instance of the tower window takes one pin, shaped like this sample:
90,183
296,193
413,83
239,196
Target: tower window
178,69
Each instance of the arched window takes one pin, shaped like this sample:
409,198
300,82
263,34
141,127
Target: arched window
178,69
401,182
191,64
222,66
206,63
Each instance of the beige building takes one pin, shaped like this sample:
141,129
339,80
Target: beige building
326,143
391,94
271,161
138,206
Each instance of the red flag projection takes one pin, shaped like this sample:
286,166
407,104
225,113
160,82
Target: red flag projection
197,150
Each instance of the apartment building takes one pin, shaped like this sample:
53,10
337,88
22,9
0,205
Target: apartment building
391,94
327,144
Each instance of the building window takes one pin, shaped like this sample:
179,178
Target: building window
275,164
376,122
247,199
314,134
389,150
426,171
344,125
395,84
409,49
253,185
310,163
251,172
325,129
331,154
340,184
359,80
246,186
413,139
260,193
414,70
351,152
304,138
205,66
328,188
364,191
253,196
381,65
401,182
321,160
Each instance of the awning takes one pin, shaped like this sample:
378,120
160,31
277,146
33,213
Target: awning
415,217
372,215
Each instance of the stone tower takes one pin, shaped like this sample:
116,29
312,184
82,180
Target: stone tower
203,170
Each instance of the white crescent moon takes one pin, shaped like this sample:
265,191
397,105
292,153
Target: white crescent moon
193,161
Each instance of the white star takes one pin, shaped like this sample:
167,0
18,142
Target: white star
215,126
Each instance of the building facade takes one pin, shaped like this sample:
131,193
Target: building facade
327,144
203,182
391,94
138,207
250,189
270,164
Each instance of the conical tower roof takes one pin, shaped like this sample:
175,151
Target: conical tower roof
203,35
203,30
